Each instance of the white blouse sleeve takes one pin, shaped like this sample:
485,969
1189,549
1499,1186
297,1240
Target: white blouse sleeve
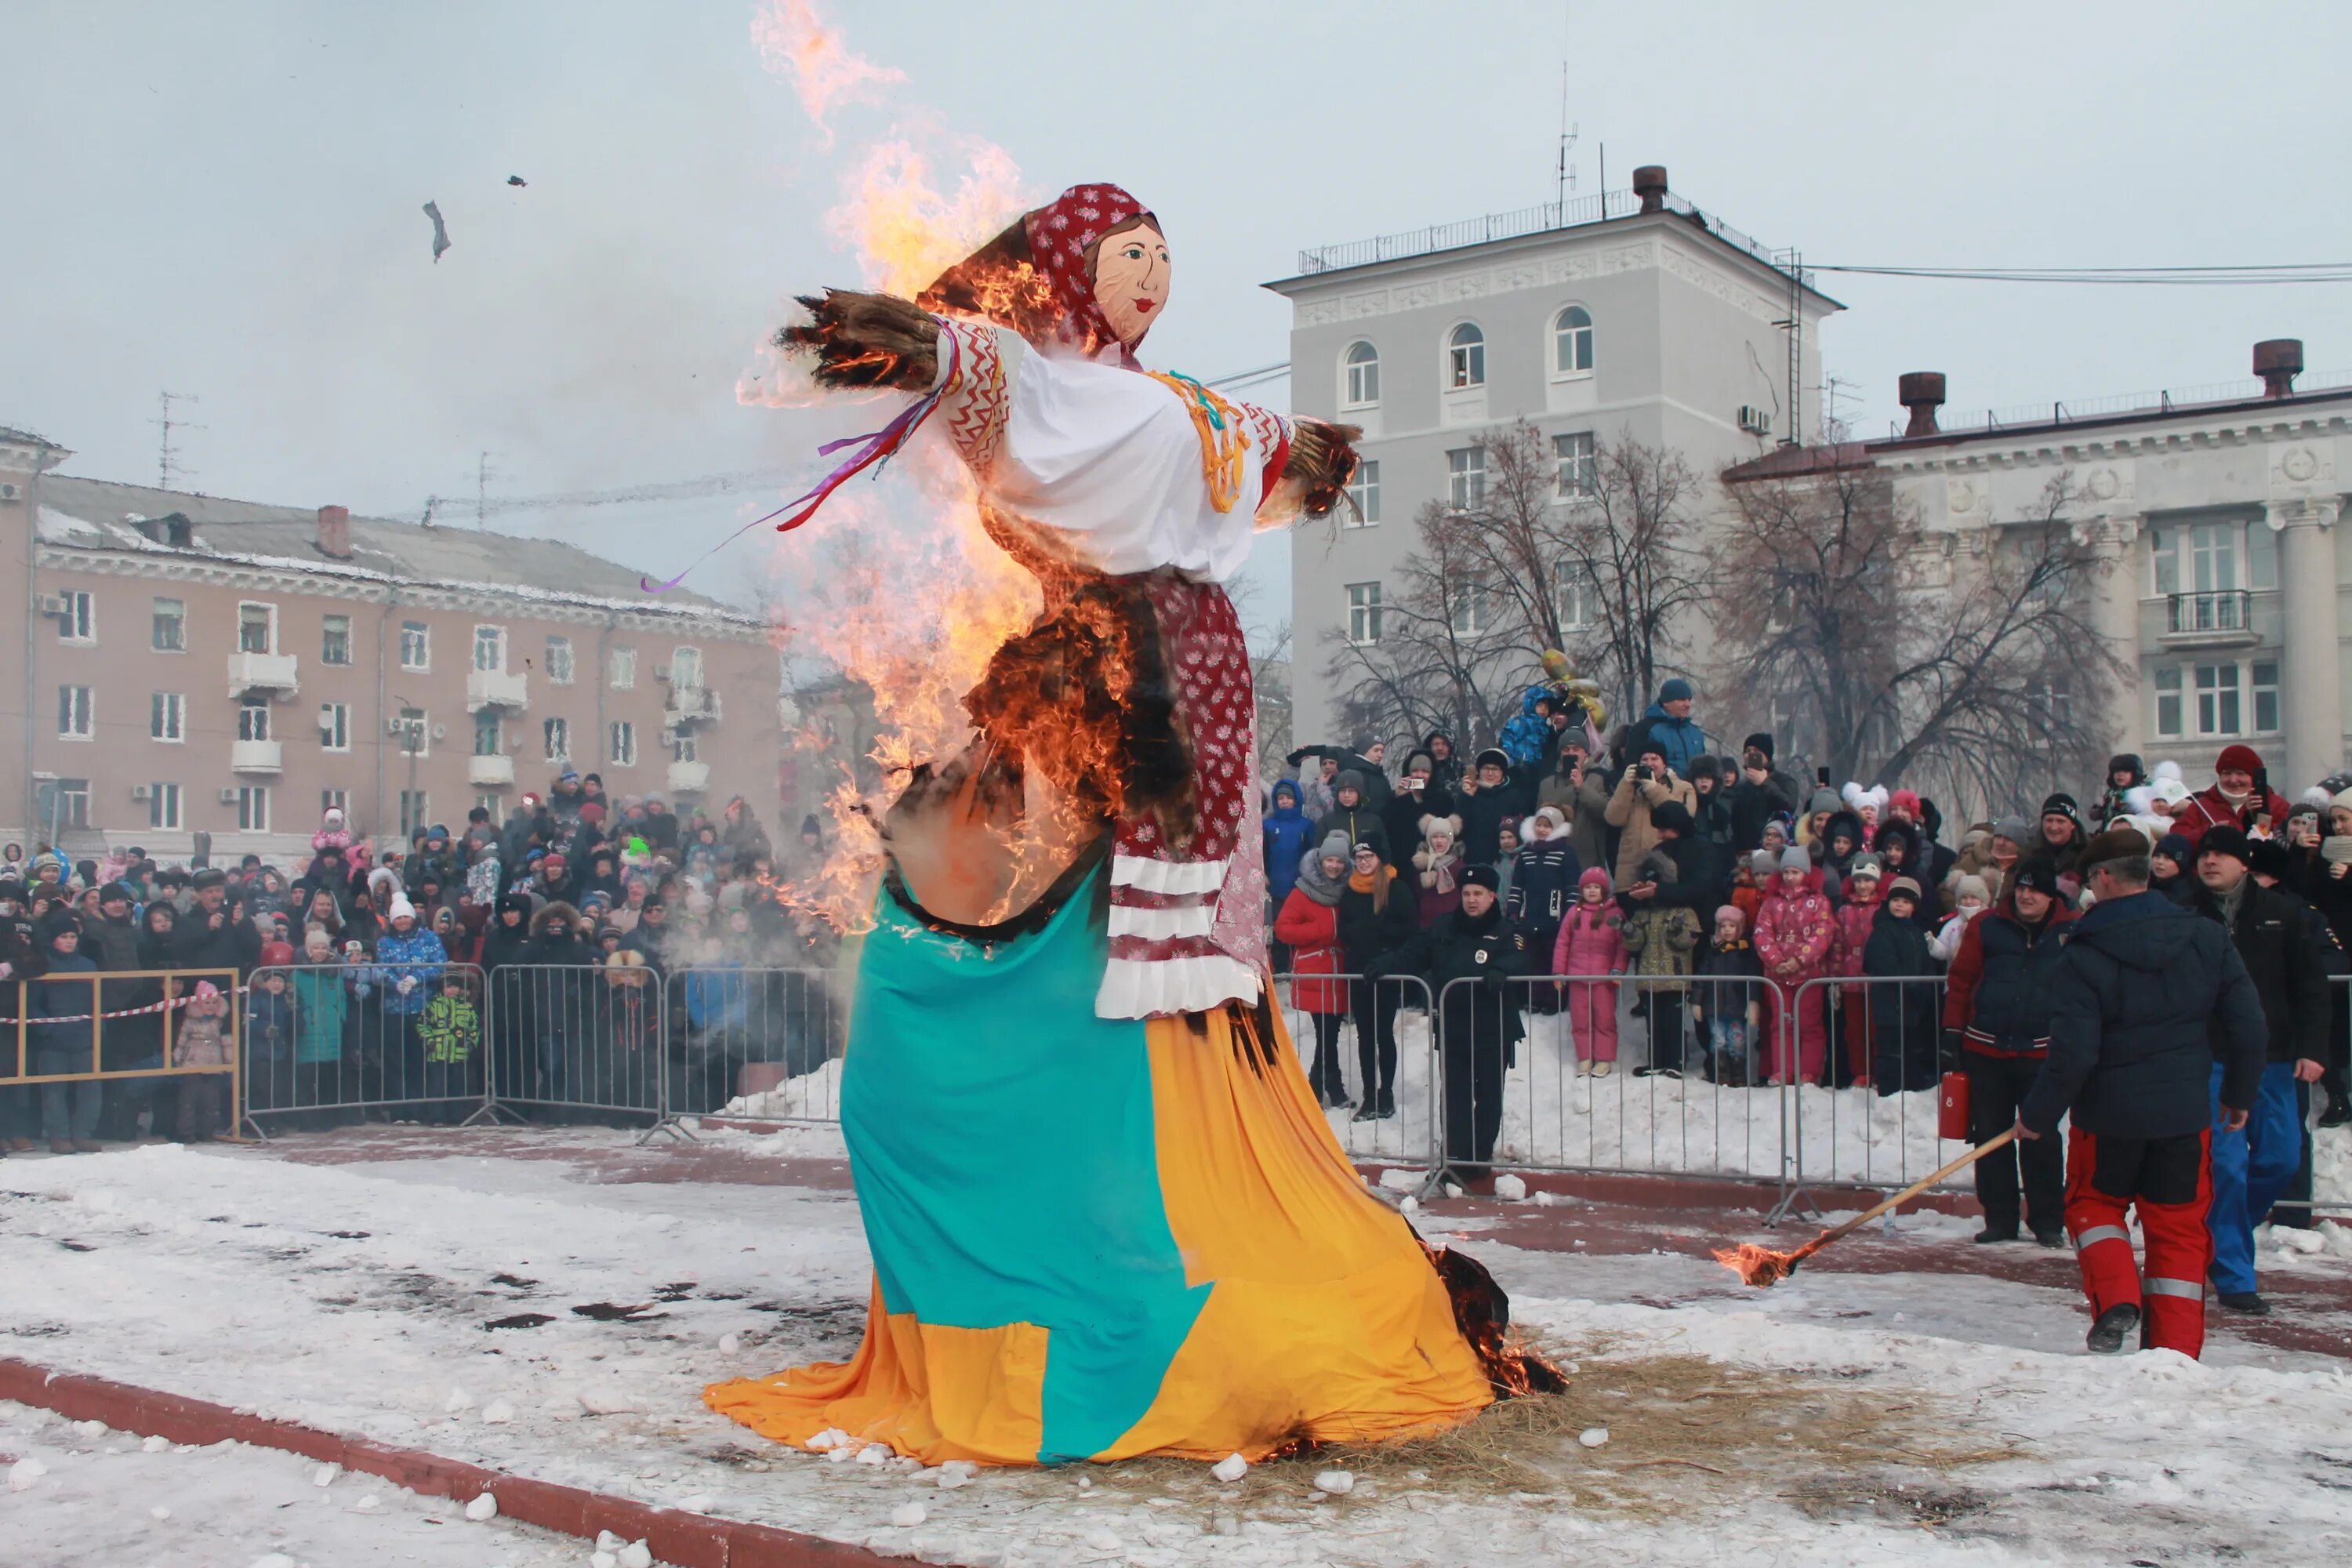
1108,460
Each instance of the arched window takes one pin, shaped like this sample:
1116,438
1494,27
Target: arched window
1571,341
1465,357
1363,362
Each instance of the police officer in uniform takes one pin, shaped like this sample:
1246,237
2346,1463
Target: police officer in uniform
1479,1024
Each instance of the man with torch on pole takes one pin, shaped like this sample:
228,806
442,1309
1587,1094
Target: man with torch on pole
2145,998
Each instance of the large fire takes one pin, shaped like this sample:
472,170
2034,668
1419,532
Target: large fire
904,593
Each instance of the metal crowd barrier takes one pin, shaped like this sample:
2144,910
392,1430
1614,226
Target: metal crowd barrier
755,1043
1865,1113
331,1044
2323,1185
1622,1074
1347,1028
129,1025
587,1038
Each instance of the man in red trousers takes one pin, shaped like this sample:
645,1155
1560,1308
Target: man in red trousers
2146,997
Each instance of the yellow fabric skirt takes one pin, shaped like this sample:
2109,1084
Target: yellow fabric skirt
1319,1317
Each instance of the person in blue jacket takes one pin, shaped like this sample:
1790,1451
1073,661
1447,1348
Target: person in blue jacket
1669,725
408,963
1287,833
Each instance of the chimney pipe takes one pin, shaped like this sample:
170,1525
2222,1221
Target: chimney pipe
2278,361
335,531
1650,184
1921,392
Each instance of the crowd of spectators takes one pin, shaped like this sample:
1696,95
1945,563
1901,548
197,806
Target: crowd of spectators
1654,882
379,975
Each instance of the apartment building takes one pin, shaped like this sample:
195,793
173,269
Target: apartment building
1629,314
198,671
2218,506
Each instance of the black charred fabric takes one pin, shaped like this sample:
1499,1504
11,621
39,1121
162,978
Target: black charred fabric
865,341
1483,1313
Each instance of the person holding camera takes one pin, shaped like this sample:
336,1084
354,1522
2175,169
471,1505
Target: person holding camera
1633,808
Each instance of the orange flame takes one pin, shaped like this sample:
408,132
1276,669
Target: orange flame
1761,1266
794,43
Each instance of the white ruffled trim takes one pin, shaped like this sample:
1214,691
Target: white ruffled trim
1149,988
1167,876
1158,925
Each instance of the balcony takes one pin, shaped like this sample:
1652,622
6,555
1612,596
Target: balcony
256,756
689,705
2217,620
497,688
489,773
271,672
688,778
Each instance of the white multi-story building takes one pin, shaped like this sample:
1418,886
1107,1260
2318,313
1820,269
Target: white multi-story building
2218,506
1629,314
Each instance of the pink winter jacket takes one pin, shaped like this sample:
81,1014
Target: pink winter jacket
1853,919
1591,941
1800,927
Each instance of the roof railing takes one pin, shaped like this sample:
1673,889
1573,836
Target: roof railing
1577,212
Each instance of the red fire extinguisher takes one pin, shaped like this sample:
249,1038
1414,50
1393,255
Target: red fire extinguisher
1952,1108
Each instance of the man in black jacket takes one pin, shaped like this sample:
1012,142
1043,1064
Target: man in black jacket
1489,798
23,956
1761,792
2290,957
1480,1024
2144,996
210,936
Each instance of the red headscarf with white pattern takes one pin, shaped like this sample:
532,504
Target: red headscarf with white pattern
1060,234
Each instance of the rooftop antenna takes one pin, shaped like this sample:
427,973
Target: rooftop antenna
166,457
482,490
1565,179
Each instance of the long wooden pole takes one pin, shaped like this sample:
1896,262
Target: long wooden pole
1908,1194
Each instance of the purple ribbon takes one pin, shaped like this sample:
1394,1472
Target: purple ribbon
875,448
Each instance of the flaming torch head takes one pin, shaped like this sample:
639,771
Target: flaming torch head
1757,1266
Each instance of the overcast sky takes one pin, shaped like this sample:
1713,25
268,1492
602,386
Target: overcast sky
224,200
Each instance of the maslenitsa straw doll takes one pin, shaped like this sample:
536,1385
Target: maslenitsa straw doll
1107,1216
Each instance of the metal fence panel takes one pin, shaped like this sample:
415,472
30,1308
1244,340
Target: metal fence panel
1865,1113
761,1044
333,1043
1618,1074
589,1039
1351,1032
69,1035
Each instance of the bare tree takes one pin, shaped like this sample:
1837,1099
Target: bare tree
1270,679
1897,655
1591,548
1431,654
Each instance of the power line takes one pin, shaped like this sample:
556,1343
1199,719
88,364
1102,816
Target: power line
2269,274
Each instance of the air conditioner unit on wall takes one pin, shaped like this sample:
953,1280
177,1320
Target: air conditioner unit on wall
1754,420
228,795
52,605
142,792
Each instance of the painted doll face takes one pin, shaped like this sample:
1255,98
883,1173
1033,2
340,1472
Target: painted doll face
1131,281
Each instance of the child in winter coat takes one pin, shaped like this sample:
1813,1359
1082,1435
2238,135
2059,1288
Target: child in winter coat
332,833
1855,917
1795,935
451,1032
1438,863
1659,940
269,1031
198,1042
1904,1037
1591,942
1971,898
1748,875
1727,999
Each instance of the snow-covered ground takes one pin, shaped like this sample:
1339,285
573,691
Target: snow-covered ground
551,1306
81,1494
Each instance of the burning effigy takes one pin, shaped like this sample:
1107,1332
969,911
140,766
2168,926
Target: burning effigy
1107,1215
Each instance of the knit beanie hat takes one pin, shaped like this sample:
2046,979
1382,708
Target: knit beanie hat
2016,829
1971,887
2224,840
1349,779
1334,843
2238,759
1902,887
1759,742
2039,874
2175,847
1676,690
1795,858
1763,862
1733,913
1824,799
1865,865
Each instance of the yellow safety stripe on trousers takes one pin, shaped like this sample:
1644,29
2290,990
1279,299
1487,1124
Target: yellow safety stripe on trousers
2102,1232
2156,1285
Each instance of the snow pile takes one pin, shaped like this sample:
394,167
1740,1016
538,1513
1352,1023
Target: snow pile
811,1097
